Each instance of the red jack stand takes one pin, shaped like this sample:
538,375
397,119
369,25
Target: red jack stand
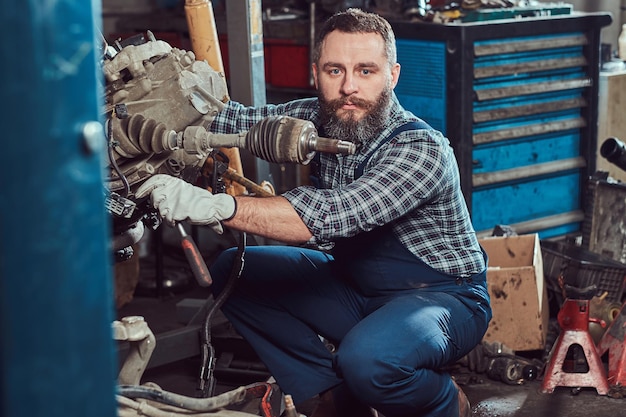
613,341
574,321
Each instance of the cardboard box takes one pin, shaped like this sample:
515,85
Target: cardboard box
519,297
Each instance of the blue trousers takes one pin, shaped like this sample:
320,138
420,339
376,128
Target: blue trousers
395,321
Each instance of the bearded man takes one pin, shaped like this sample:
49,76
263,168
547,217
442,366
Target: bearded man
381,258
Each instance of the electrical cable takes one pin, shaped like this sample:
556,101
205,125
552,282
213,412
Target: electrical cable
116,167
207,383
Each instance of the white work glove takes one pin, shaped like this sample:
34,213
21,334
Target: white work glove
177,200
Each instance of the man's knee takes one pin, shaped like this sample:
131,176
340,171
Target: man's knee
220,270
365,373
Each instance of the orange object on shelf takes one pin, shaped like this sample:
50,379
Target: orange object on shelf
205,45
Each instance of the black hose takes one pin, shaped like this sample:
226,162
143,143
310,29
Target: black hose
207,351
614,150
235,273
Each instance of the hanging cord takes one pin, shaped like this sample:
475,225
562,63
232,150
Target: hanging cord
207,380
110,144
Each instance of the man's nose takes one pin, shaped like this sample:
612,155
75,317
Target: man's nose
349,85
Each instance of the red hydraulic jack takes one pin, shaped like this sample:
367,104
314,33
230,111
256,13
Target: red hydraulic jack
574,321
613,341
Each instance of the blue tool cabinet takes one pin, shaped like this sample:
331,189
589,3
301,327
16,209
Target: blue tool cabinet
518,100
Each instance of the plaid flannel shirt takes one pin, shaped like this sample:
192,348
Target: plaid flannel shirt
411,182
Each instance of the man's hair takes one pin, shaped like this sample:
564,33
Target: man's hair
357,21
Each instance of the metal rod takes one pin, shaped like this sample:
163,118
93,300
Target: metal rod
541,223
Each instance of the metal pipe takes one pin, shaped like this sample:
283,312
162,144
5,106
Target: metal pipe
135,330
548,222
203,33
528,171
217,402
205,45
312,34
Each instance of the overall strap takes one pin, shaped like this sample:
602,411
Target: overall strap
415,125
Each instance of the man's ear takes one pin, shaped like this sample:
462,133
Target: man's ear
395,75
314,68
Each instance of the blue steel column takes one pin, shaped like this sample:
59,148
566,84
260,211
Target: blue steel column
57,356
245,51
247,64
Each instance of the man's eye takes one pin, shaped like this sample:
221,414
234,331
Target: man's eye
335,71
365,71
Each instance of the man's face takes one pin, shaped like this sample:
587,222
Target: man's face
354,81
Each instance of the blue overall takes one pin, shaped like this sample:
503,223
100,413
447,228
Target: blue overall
395,321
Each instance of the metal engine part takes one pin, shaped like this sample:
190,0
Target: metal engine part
152,92
137,399
160,102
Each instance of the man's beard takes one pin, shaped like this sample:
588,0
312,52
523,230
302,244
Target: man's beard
350,129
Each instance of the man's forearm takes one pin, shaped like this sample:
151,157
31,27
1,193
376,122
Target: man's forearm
270,217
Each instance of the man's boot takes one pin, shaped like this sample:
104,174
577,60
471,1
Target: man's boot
465,409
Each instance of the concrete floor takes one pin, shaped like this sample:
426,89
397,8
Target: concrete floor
496,399
489,398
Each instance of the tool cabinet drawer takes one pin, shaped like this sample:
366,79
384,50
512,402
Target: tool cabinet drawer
518,100
542,197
